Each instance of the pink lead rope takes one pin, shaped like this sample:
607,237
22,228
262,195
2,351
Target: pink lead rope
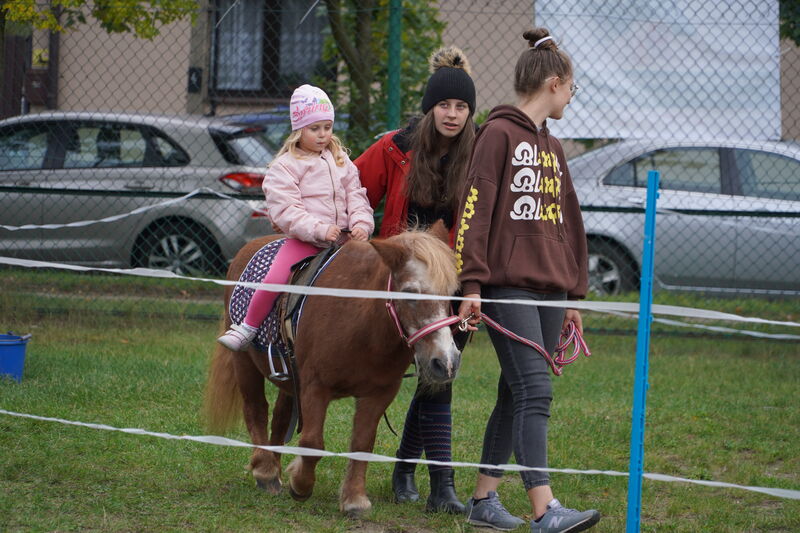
570,336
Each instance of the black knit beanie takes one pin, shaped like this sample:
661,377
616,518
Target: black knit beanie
449,79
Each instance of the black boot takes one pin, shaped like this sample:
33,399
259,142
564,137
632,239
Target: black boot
403,485
443,497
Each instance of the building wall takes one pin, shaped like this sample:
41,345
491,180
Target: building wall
492,42
790,90
118,72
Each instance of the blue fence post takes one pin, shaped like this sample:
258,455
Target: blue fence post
642,350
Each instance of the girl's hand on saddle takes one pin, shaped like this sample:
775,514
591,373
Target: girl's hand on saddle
359,234
333,233
470,310
574,316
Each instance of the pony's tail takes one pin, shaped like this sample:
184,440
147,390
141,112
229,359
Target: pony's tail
223,403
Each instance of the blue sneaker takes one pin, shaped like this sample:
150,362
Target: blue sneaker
491,513
559,519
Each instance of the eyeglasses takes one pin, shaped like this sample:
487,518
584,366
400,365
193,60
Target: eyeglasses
573,88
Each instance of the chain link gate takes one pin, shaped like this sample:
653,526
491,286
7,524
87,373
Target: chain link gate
132,126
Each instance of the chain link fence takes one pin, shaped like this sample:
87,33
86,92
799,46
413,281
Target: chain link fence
124,152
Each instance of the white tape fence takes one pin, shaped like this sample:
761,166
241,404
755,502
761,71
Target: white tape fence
372,457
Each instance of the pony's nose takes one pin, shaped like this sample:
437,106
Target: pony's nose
444,369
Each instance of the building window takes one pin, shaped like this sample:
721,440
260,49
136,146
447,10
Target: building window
261,49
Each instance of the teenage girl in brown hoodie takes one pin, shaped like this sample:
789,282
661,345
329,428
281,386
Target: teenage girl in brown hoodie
521,237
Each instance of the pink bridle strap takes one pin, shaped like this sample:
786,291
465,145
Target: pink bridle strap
430,328
570,336
420,333
393,312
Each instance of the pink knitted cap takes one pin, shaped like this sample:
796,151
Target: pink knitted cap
309,104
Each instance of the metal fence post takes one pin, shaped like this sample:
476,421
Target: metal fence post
642,349
395,49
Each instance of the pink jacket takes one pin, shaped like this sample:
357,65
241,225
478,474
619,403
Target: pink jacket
306,195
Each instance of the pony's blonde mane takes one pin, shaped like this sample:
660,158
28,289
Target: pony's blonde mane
437,257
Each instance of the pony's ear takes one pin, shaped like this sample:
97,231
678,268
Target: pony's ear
439,231
392,254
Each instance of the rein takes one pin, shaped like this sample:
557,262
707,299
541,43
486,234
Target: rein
569,337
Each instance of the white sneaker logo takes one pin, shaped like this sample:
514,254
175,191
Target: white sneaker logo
555,521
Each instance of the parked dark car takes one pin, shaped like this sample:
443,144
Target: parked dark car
277,125
728,215
64,167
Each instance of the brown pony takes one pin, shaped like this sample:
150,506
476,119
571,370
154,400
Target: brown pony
344,347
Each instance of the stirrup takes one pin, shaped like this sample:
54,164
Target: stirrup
283,375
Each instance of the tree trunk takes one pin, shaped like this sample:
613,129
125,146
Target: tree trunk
357,56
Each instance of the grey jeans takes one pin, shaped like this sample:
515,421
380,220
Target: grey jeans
519,420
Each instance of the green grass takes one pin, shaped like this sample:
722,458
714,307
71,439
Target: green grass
719,408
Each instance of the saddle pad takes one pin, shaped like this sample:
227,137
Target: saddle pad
254,272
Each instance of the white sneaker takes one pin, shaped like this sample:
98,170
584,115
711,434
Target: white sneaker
238,337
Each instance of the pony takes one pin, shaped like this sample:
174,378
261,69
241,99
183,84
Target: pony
344,347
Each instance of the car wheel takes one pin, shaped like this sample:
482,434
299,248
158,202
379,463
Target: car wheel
180,247
610,269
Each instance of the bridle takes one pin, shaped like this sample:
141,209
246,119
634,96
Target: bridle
569,337
410,340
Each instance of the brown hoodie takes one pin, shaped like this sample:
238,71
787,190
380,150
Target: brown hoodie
521,224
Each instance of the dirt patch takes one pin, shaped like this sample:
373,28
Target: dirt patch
366,526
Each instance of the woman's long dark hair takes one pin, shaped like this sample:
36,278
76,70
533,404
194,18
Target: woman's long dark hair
426,185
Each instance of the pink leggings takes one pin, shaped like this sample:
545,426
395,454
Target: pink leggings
292,251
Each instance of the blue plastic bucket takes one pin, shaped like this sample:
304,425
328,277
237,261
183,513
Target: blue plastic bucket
12,355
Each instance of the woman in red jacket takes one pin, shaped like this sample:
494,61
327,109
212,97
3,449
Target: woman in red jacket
420,172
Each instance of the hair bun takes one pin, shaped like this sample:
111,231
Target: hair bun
536,35
449,56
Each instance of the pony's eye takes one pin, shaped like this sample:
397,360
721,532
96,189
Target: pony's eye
411,290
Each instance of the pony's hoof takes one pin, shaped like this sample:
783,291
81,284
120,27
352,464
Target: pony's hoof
355,513
356,509
292,472
297,496
270,486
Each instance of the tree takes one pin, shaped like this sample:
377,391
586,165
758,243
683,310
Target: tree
790,20
115,16
141,18
358,42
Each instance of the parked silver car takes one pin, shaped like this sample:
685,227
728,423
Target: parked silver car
728,215
63,167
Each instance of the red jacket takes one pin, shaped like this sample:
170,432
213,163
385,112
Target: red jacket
383,168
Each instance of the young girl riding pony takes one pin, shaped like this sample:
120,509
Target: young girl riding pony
313,193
